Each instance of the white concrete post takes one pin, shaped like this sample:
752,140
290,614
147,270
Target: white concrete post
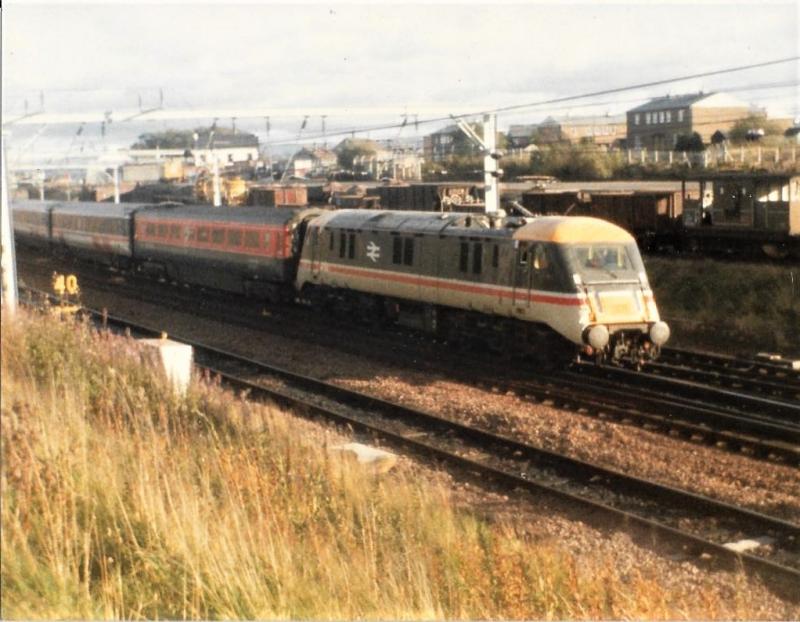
629,156
643,155
777,155
8,262
41,185
741,154
670,158
794,154
116,184
705,159
490,168
758,155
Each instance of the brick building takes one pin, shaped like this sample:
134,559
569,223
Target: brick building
604,130
660,122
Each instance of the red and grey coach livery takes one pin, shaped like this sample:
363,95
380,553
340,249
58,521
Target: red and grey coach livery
248,250
32,222
102,232
520,282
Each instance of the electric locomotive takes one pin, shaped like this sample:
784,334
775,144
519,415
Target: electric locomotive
547,287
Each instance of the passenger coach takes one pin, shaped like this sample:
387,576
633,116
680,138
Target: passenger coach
249,250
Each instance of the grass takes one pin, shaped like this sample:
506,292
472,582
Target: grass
729,306
122,500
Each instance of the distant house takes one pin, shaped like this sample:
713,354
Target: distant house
660,122
447,142
203,145
604,130
313,161
520,136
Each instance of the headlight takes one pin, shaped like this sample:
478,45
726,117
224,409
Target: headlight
597,336
659,333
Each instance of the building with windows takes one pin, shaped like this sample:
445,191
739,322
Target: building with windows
448,142
660,122
605,130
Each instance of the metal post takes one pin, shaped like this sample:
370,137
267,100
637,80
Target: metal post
116,184
8,260
490,168
41,185
217,196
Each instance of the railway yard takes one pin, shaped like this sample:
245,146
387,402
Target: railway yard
661,467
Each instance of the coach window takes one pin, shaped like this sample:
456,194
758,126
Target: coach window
477,258
234,237
351,248
163,231
463,257
408,251
251,239
218,236
342,243
150,229
202,234
495,255
175,231
397,250
266,239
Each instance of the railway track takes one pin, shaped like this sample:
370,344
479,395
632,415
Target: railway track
582,389
697,526
779,382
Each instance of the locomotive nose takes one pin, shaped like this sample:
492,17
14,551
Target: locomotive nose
659,333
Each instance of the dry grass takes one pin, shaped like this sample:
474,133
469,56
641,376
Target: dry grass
120,500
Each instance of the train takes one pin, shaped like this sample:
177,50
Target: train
547,288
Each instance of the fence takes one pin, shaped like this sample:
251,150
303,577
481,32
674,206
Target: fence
719,156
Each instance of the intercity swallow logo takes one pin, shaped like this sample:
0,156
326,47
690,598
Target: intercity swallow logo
373,252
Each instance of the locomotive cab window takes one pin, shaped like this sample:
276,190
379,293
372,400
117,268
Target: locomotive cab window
330,241
342,243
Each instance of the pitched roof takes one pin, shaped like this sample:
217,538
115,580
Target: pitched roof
669,102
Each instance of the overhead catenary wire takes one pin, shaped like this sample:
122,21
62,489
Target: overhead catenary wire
556,100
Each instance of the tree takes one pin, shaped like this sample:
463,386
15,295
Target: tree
740,129
686,142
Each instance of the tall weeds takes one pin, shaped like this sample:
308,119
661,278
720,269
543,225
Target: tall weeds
122,500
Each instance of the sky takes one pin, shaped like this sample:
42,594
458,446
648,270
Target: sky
412,56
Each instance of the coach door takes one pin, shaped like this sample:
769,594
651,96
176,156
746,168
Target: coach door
522,267
315,252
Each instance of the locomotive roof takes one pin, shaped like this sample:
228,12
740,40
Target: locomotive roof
572,230
413,222
250,215
558,229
